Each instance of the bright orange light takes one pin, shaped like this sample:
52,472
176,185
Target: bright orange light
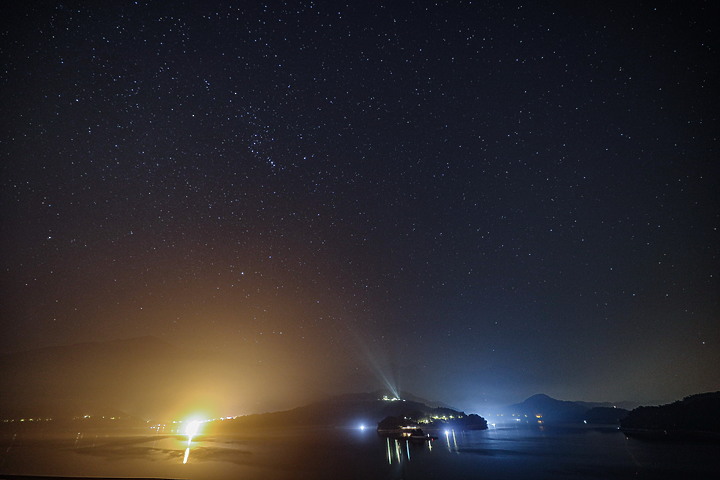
192,428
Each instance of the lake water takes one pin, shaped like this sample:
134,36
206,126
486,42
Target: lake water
497,453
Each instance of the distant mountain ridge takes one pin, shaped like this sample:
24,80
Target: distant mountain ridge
548,409
542,409
346,410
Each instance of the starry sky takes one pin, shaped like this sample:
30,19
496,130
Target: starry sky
472,201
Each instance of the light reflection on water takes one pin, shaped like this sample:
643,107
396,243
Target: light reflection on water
501,453
399,450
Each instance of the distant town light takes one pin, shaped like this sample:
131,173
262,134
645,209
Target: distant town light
192,428
391,399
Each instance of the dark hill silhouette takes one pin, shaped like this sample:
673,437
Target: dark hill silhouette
550,410
350,410
693,417
606,415
545,409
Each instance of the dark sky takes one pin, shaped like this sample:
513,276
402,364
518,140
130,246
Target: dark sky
475,201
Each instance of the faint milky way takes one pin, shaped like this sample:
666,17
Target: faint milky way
488,199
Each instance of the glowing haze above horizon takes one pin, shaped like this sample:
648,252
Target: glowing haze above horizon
472,202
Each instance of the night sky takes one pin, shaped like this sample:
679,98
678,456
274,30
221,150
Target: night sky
471,201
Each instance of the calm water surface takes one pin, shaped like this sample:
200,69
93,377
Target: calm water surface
498,453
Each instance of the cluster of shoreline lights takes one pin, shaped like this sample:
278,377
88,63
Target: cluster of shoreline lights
184,427
13,420
83,417
392,399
